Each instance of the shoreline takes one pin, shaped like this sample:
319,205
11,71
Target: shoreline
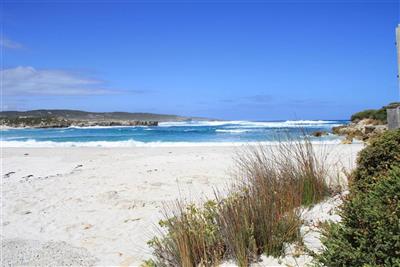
139,144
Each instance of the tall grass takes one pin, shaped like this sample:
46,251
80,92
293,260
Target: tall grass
258,215
274,181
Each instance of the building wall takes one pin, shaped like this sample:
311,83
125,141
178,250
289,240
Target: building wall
393,118
393,114
398,48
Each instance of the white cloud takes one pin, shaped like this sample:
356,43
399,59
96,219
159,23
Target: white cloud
31,81
10,44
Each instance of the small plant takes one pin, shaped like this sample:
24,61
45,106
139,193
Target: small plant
148,263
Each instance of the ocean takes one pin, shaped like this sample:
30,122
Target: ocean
190,133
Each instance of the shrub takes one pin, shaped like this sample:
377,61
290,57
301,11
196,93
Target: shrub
369,234
393,105
377,158
374,114
257,216
191,236
379,115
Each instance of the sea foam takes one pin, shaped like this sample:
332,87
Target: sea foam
272,124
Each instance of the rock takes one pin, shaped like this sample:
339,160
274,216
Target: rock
319,133
360,130
347,141
369,129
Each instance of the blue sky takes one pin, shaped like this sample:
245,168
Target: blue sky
259,60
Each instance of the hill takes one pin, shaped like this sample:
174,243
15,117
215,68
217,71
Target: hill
93,116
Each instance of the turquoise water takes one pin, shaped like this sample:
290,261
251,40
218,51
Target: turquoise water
168,133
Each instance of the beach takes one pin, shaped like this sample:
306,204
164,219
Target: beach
101,205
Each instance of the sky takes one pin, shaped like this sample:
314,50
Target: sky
253,60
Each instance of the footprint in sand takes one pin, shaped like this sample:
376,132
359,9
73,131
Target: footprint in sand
23,207
87,226
132,220
71,229
157,184
108,196
114,199
193,179
8,174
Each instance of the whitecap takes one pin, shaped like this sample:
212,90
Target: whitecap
236,131
253,124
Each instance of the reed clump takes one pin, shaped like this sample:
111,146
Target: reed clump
259,215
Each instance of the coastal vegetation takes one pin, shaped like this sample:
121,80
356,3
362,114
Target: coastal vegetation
379,115
369,232
258,215
365,124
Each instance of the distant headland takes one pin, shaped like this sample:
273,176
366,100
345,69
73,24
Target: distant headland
61,118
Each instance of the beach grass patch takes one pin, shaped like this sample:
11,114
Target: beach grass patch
258,215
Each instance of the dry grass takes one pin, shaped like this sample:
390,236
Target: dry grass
258,216
274,181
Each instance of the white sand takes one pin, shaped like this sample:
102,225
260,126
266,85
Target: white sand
106,201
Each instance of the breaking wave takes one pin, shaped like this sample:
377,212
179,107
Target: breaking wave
133,143
236,131
249,124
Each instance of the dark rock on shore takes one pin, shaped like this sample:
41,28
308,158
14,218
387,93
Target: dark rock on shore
319,133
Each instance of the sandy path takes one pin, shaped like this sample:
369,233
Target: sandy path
107,200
